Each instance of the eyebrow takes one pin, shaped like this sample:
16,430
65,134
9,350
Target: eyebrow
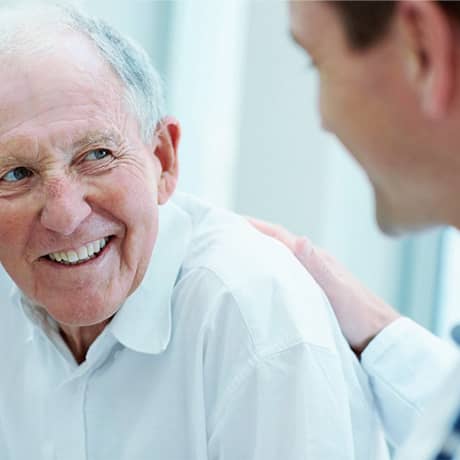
10,152
96,138
12,148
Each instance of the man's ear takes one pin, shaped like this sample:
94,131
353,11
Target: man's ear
429,37
167,136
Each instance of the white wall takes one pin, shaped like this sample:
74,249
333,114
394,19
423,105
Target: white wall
5,284
204,91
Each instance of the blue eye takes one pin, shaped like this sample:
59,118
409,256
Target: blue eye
16,174
97,154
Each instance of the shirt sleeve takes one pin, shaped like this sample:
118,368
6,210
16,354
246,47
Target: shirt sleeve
406,365
290,406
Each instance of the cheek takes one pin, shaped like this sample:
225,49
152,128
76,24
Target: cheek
133,202
132,190
331,105
345,111
15,225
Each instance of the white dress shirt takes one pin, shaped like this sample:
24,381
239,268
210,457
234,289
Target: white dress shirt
415,378
227,351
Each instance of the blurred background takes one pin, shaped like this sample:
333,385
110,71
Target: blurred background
252,142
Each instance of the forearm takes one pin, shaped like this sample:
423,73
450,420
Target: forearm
407,366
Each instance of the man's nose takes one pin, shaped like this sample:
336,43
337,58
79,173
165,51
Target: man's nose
65,207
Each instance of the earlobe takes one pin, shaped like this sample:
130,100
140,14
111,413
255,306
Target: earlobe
166,187
166,145
429,56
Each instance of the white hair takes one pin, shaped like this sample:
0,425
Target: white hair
26,28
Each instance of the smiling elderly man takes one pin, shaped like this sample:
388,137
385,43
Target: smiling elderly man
138,331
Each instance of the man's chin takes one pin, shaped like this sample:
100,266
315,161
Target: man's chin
388,227
394,227
386,215
77,311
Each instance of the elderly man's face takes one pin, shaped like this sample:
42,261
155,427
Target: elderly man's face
78,186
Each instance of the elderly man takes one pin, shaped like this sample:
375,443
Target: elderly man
390,91
138,331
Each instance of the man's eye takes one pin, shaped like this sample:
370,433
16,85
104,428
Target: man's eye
97,154
16,174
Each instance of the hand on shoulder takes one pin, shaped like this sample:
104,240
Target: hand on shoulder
361,314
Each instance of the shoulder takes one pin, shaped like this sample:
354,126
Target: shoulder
242,276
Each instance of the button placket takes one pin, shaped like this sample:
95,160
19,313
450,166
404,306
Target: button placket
68,425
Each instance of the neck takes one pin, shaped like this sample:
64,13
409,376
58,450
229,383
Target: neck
80,338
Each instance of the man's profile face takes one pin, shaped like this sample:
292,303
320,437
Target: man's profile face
365,101
74,175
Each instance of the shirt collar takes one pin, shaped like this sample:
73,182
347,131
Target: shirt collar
144,321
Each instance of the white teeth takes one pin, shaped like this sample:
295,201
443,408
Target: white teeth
79,255
83,253
90,248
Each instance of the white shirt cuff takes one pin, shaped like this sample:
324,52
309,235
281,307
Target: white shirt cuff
406,365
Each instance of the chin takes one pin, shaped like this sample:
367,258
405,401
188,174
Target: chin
387,226
397,230
387,215
393,226
382,216
80,312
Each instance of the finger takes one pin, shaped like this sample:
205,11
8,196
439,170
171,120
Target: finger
276,231
316,261
303,248
261,225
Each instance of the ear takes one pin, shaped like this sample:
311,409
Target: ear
430,53
167,136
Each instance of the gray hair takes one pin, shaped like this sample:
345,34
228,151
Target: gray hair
129,61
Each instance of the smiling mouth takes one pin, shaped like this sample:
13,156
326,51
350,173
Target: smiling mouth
81,255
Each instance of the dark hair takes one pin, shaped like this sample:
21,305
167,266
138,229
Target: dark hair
366,22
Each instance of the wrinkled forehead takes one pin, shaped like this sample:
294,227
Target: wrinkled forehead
58,80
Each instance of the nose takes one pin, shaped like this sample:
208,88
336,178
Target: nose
65,207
